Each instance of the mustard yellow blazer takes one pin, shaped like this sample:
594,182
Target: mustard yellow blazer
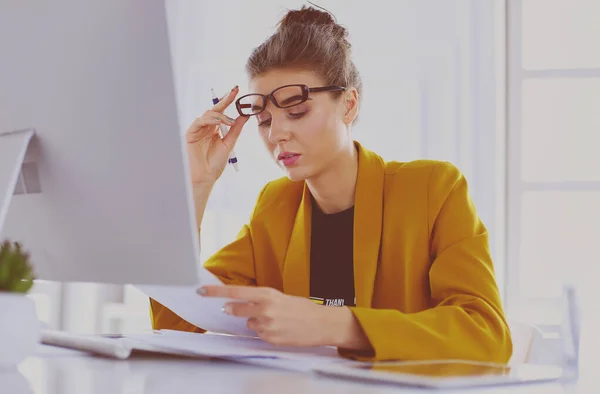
423,275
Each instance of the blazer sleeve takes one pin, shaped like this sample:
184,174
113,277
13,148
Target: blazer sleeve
466,320
233,264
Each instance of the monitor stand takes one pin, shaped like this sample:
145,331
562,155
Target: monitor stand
18,172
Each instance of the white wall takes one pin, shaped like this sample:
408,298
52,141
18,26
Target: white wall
430,89
430,73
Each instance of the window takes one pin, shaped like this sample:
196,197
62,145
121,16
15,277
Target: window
560,129
553,162
558,34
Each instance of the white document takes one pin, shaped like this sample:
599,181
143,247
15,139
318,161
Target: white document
253,350
203,312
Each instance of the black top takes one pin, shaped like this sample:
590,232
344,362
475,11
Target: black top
331,257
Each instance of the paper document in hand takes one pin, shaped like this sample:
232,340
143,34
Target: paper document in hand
203,312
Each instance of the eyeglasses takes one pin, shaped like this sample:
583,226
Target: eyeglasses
283,97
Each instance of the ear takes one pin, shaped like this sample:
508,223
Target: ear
351,104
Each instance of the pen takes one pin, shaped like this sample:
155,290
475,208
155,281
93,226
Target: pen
224,130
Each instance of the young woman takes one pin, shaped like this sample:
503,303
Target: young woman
384,260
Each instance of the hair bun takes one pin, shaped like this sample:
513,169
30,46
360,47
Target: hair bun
307,15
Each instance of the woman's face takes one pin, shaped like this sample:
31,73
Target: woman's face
306,138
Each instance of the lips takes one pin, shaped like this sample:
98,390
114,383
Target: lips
287,155
288,158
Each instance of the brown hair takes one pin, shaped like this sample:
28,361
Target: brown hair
310,39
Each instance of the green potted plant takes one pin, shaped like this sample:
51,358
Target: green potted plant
19,326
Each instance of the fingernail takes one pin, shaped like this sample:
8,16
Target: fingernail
217,120
226,309
201,291
234,88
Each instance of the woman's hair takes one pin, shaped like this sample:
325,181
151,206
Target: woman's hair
308,39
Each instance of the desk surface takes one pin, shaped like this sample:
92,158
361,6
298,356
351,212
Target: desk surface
58,371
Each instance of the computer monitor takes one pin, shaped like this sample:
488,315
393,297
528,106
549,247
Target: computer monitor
104,194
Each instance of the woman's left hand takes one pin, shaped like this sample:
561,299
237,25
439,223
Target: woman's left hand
278,318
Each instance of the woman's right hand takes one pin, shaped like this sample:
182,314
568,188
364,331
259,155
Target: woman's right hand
207,151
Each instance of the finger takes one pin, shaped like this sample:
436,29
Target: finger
243,293
202,124
224,118
255,325
192,137
234,132
226,100
210,118
225,95
244,309
265,331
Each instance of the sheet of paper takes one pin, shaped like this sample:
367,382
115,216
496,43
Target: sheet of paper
200,311
244,349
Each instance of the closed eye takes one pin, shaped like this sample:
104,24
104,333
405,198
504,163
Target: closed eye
267,122
297,115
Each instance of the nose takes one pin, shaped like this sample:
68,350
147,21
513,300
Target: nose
279,130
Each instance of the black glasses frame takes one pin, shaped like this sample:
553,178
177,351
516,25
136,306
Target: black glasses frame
271,97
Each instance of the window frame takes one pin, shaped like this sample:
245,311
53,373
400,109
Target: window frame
516,187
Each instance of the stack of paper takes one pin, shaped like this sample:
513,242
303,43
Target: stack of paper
241,349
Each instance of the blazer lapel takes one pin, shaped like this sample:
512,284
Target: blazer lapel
296,268
368,219
368,213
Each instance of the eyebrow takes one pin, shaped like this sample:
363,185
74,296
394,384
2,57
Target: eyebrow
290,99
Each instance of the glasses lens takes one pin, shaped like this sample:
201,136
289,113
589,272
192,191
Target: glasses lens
289,96
252,104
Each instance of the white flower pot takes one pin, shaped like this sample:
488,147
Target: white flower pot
19,329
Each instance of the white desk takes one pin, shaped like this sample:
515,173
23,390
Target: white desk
58,371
